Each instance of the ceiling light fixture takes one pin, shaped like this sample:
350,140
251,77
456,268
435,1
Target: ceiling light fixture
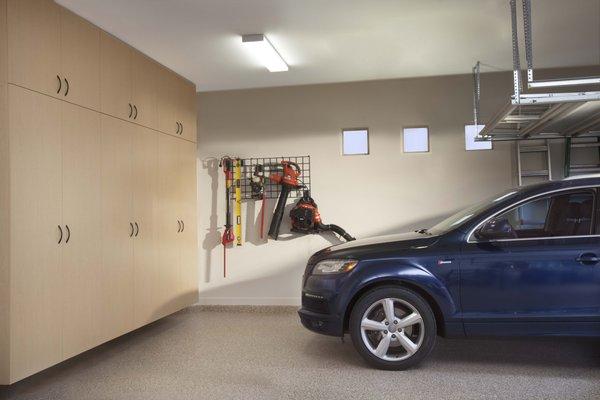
264,51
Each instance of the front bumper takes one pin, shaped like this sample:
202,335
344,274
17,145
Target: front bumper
321,311
325,324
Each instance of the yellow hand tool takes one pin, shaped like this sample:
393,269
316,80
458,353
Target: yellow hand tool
237,178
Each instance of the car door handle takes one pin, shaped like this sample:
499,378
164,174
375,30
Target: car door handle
588,259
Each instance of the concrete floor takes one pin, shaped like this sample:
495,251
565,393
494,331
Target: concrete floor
212,354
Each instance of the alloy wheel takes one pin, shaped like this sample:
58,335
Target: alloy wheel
392,329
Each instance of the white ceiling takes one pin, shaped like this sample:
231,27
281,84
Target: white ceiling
342,40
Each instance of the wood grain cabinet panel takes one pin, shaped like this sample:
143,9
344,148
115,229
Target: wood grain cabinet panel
82,220
34,45
144,90
145,203
80,60
188,240
118,228
35,209
168,215
167,102
115,77
187,109
99,188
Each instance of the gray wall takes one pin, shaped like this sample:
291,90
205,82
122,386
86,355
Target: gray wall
381,193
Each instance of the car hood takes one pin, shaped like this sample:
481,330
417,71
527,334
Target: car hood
378,246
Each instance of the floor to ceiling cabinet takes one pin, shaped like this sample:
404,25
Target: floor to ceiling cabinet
98,226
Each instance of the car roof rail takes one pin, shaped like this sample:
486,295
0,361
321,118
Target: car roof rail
585,176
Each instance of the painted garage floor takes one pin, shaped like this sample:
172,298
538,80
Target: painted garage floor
248,354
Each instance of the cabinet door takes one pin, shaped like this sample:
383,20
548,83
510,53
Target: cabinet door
145,187
188,240
115,77
81,250
144,90
34,44
35,211
117,228
80,60
167,226
167,102
187,110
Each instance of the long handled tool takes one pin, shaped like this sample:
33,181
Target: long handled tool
227,164
288,181
257,184
237,178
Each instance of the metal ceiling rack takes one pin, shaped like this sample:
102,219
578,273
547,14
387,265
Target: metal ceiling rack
538,115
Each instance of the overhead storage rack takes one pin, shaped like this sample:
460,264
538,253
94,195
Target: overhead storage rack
539,115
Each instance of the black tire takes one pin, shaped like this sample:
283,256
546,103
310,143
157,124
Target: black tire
408,296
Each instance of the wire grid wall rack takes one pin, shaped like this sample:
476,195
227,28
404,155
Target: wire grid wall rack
272,165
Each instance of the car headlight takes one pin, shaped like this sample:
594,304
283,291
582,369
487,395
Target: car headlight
327,267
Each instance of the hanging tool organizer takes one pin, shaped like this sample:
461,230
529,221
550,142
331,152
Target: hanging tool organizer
271,166
256,179
280,178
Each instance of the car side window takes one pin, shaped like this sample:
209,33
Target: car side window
567,214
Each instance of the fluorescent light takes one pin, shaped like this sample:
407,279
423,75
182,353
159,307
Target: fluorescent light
264,51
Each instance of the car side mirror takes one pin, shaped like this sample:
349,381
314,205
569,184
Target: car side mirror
496,229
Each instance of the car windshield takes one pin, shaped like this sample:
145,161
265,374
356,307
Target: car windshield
460,217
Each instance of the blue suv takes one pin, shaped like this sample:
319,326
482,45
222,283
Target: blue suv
525,262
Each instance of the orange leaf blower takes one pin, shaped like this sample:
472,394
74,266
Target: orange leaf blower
288,180
307,219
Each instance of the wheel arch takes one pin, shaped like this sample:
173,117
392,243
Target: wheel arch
398,282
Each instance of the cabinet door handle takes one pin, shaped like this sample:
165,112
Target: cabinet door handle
130,110
67,89
68,234
135,109
131,232
61,234
59,84
137,229
182,226
179,226
181,128
177,131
